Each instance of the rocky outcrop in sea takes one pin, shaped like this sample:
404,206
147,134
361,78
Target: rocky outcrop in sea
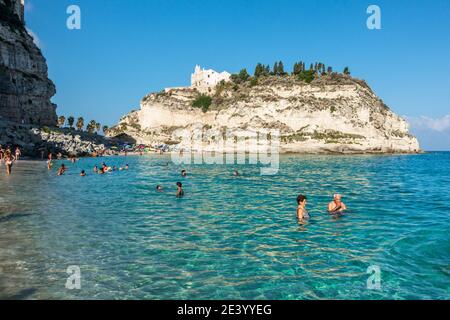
334,113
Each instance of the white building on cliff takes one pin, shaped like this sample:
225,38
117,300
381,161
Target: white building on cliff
205,80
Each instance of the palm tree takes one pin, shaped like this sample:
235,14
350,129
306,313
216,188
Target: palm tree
91,126
70,121
80,123
61,121
97,127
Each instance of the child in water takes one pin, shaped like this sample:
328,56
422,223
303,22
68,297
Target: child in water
180,191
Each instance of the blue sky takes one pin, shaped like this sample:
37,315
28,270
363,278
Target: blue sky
126,49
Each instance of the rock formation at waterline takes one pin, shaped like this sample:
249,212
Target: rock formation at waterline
335,113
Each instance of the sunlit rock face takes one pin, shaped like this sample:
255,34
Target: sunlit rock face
25,90
333,114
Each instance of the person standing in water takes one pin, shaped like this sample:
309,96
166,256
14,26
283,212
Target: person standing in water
83,173
9,159
180,191
302,213
336,206
49,161
18,153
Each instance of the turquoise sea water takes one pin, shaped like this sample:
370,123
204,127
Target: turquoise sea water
229,237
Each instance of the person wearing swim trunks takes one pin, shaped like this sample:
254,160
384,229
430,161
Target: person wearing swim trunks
336,206
302,213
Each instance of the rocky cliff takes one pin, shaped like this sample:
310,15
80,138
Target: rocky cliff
334,113
27,116
25,90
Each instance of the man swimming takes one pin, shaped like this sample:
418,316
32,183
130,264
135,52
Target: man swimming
183,173
83,173
159,188
336,206
180,191
302,213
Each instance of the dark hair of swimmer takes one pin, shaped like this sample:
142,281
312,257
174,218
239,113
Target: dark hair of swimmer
158,187
179,184
83,172
301,198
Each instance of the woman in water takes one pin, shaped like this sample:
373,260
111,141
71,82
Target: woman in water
49,161
302,213
9,159
180,191
61,170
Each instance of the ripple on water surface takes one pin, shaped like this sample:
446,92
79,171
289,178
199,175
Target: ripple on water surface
229,237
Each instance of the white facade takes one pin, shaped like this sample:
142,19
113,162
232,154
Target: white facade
205,80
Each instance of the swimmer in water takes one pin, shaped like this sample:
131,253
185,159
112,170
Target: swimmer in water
95,169
61,170
183,173
235,173
159,188
302,213
180,191
336,206
83,173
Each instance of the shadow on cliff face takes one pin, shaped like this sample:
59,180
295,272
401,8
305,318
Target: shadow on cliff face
123,138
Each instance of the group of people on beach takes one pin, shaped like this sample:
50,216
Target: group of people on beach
8,157
335,207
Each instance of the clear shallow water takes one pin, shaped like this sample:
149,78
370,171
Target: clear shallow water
229,237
